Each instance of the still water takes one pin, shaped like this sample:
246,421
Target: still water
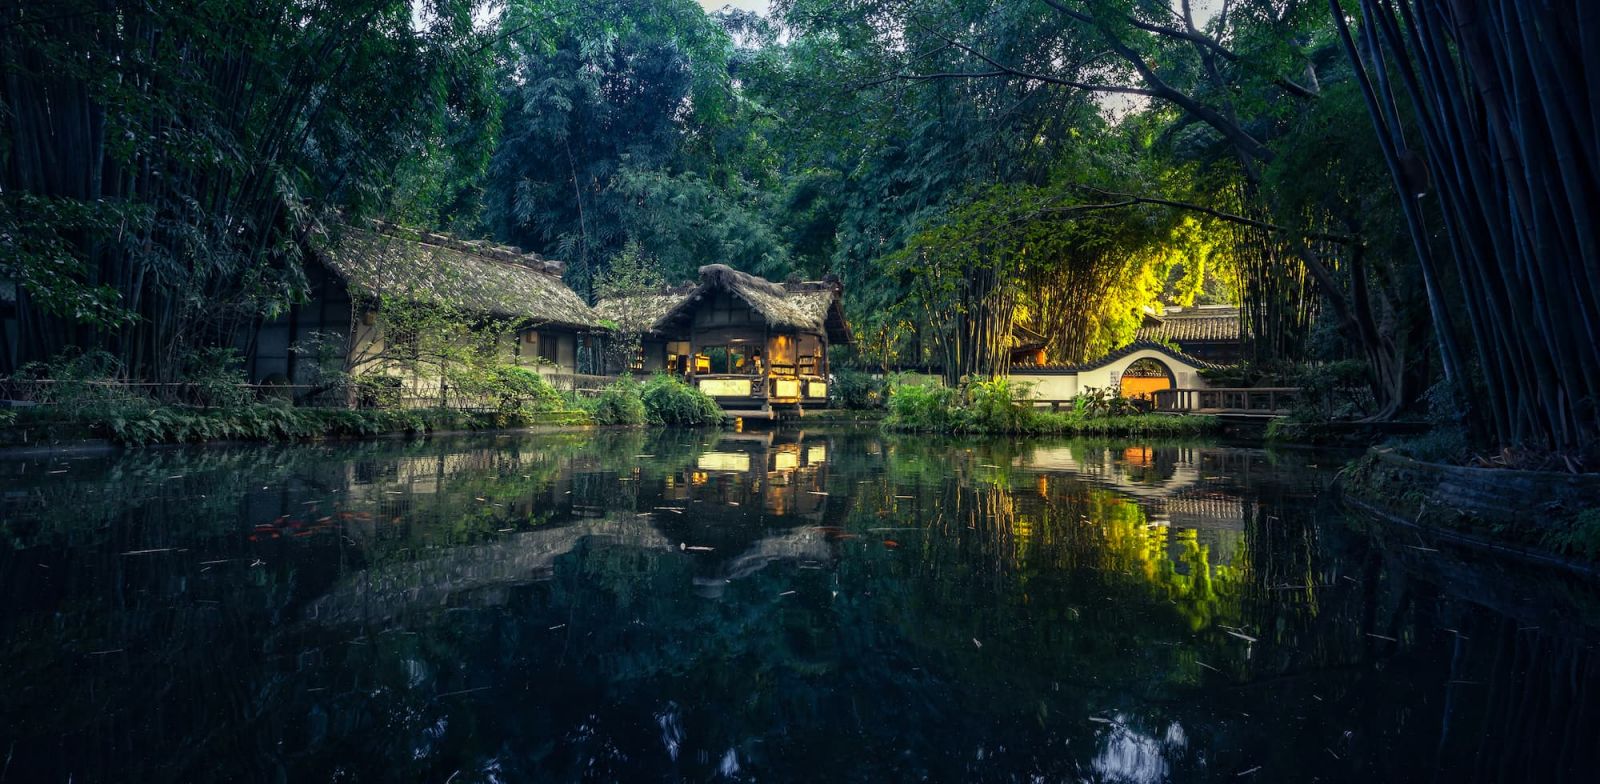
790,606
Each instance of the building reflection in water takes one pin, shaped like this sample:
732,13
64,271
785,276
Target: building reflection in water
615,604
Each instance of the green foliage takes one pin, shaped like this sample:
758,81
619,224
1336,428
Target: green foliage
998,406
507,389
1439,445
270,423
164,163
669,401
858,390
618,404
1098,402
629,275
324,361
526,390
41,257
216,376
1578,537
76,380
932,407
621,123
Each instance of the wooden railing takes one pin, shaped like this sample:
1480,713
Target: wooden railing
1258,401
582,383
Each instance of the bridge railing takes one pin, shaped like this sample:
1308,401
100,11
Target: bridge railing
1262,401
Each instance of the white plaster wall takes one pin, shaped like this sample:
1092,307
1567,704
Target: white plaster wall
1061,386
1065,386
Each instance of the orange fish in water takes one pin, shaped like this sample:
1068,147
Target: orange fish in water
890,543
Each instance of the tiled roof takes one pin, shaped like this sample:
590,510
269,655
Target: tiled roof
1203,323
1137,345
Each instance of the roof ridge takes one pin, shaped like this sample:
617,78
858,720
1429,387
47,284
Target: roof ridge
1118,353
484,249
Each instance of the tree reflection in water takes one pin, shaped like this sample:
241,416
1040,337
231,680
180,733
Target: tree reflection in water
790,606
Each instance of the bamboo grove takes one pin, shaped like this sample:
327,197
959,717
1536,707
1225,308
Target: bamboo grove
1489,107
165,163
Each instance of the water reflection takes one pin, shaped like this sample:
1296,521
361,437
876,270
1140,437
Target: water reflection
781,605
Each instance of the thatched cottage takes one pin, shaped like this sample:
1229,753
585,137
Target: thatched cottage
546,325
759,348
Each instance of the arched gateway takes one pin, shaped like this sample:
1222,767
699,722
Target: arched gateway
1127,369
1144,377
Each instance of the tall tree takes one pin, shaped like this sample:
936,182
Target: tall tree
622,122
1501,96
161,164
1229,88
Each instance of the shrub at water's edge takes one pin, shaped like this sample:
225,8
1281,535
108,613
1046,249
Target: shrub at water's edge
79,396
135,426
1001,406
857,390
669,401
508,397
659,400
618,404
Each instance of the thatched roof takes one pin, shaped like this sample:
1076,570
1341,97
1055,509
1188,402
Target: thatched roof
640,312
1205,323
477,277
806,306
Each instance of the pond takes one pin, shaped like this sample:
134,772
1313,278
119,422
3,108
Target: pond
772,606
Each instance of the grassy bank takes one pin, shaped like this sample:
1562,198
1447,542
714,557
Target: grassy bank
999,407
131,420
260,422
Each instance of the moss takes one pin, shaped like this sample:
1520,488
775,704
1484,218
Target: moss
1578,537
1407,489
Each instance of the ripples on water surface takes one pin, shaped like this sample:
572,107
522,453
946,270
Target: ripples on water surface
776,607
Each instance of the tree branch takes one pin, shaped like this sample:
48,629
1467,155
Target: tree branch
1130,199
